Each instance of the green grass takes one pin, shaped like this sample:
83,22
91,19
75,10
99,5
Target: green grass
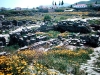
94,22
50,34
10,49
63,62
53,34
59,16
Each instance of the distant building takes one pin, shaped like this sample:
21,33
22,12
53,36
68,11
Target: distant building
43,7
3,9
51,10
18,8
24,8
55,7
80,6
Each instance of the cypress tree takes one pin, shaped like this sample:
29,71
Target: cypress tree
62,3
96,2
55,3
59,3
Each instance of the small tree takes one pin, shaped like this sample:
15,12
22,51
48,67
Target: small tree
47,18
90,5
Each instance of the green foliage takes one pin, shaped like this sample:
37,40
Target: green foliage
17,13
47,18
11,49
71,6
43,10
55,3
59,3
94,22
0,31
59,10
62,18
53,34
33,10
5,32
63,59
62,3
96,2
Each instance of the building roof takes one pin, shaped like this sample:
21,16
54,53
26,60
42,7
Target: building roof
17,8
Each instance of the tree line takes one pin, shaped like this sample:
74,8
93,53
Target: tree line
60,3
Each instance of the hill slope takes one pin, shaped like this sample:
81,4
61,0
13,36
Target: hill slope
88,2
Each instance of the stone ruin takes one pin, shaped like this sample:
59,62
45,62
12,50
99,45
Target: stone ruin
73,26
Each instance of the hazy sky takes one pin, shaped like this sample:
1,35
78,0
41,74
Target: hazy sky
31,3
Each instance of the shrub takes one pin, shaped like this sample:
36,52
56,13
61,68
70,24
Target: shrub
43,10
62,18
53,34
59,10
12,65
47,18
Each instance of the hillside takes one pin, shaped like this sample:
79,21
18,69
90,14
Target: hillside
91,1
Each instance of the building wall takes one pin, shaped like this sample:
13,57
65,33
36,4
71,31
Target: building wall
80,6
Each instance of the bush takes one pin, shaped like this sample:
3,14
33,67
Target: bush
59,10
43,10
53,34
47,18
61,18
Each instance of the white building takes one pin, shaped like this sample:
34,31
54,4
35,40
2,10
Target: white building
80,6
18,8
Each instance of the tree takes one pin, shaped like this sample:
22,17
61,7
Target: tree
71,6
55,4
59,3
62,3
90,5
96,2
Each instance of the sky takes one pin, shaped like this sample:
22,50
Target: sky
32,3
